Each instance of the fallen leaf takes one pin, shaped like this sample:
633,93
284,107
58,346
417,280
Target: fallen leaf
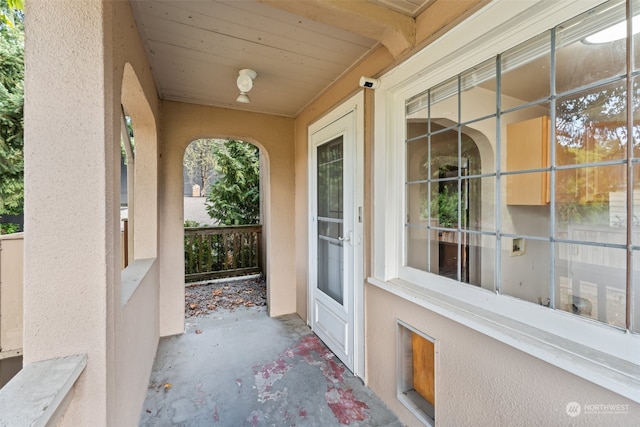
193,306
167,386
211,307
148,411
198,331
217,292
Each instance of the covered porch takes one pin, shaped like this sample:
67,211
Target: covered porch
171,67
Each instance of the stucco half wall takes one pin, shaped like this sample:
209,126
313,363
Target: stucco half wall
479,381
183,123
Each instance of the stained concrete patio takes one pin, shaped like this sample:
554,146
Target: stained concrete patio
243,368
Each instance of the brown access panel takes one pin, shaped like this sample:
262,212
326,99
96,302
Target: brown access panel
423,367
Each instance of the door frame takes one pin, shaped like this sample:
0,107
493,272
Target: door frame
354,104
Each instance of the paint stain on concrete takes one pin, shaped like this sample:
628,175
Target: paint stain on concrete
254,418
267,376
345,406
216,414
339,396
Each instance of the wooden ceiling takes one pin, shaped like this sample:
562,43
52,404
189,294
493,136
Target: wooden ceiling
196,48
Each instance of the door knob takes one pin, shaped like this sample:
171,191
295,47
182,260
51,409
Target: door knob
347,238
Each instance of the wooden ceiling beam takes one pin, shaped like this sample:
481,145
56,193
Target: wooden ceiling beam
397,32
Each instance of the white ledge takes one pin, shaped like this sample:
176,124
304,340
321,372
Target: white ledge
39,393
604,370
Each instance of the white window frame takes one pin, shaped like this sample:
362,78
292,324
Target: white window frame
591,350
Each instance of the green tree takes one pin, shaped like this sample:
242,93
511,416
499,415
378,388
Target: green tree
11,12
200,162
11,107
235,198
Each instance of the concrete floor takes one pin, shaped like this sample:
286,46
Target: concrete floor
246,369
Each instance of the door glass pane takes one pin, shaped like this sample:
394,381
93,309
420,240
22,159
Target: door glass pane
330,219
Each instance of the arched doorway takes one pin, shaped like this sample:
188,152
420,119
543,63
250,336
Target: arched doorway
450,199
222,205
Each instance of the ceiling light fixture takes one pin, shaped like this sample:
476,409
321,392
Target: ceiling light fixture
245,83
614,32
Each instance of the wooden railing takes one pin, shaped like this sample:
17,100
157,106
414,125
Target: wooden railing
216,252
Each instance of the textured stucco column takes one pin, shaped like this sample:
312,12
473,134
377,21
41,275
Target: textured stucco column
72,179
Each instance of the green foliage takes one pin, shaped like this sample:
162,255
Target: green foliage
11,13
235,198
191,223
123,151
9,228
11,110
446,206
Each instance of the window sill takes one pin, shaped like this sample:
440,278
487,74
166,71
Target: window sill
592,364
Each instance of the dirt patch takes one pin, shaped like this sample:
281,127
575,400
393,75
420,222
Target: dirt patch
203,299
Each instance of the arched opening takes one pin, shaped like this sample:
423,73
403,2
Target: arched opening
223,199
139,148
127,187
448,199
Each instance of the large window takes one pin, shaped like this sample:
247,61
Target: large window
522,174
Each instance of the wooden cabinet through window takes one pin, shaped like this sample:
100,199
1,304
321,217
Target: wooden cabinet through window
528,148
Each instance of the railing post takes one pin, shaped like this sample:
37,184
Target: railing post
259,250
125,237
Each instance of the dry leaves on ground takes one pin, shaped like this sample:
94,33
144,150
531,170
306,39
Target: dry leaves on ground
203,299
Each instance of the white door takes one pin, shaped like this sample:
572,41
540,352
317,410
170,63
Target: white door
334,235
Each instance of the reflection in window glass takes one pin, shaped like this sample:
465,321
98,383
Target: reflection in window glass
525,267
635,12
619,199
478,203
591,126
478,264
529,62
478,92
588,199
584,55
539,191
636,117
444,103
591,282
636,291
